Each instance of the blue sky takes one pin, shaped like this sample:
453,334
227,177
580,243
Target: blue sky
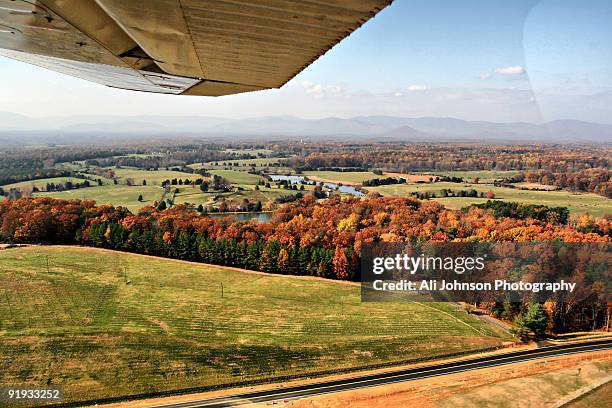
520,60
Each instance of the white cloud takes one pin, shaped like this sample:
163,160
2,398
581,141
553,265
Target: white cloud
515,70
415,88
484,76
398,94
321,91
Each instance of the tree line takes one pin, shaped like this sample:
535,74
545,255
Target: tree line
595,180
304,237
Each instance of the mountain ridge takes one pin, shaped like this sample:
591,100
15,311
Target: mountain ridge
376,126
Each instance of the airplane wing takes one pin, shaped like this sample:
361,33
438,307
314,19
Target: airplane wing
187,47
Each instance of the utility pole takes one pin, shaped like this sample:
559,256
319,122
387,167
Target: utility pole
221,290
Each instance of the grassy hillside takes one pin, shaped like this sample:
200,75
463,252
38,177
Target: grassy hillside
77,324
42,183
155,177
119,195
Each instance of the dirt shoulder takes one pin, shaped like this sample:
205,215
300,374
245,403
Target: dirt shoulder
540,383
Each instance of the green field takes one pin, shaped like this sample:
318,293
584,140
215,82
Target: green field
483,175
155,177
242,165
42,183
346,177
577,203
238,177
78,325
127,196
123,195
189,195
120,195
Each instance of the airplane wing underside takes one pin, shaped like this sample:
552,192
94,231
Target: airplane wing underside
188,47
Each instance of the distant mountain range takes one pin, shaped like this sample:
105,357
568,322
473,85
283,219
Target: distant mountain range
379,127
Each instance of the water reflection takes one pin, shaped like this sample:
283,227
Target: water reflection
331,186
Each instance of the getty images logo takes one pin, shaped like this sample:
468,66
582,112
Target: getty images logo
412,264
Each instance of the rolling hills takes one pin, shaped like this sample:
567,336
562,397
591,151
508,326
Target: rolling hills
100,323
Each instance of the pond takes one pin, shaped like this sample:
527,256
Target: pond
344,189
260,217
331,186
292,179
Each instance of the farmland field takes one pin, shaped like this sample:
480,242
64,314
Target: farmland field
238,164
120,195
577,203
238,177
155,177
101,324
127,196
483,175
42,183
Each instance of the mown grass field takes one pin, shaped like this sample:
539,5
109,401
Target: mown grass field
577,203
119,195
238,164
155,177
195,196
483,175
127,196
238,177
79,326
42,183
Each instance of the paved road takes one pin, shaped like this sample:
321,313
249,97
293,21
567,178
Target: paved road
371,380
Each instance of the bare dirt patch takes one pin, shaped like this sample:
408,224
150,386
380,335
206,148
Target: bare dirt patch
413,178
539,383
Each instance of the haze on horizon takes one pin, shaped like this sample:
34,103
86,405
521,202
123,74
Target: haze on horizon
521,61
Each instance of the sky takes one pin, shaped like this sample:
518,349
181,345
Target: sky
494,60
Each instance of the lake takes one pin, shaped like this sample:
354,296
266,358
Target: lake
331,186
260,217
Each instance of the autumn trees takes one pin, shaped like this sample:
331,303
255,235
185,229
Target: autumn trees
405,157
304,237
501,209
594,180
